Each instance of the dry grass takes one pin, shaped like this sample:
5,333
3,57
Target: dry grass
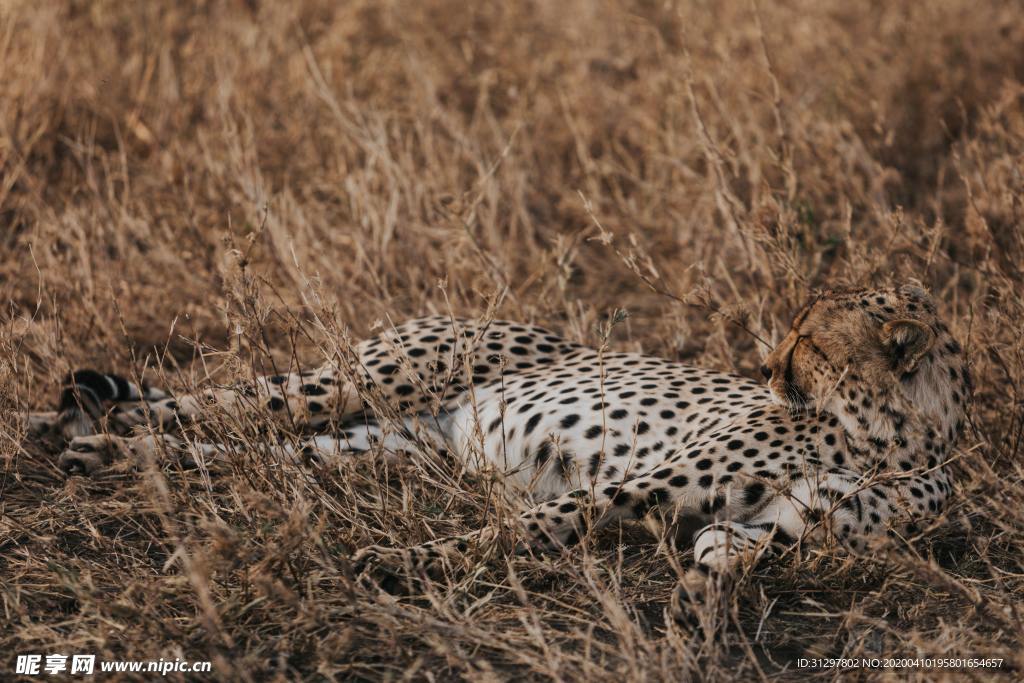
194,190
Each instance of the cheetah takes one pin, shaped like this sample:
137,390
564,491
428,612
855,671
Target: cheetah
847,438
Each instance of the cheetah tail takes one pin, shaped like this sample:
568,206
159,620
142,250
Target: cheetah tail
85,396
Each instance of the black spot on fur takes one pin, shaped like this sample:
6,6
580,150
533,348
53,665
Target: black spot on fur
312,390
543,454
531,424
753,493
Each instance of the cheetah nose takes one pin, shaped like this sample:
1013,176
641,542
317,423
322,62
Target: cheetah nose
766,372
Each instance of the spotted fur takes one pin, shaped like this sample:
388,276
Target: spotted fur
864,401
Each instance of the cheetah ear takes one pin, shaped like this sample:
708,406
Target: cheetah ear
906,342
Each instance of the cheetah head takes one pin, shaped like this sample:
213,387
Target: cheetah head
865,355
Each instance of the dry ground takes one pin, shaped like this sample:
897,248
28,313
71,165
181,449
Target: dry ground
191,189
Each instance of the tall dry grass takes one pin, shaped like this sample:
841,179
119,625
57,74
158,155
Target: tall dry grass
184,187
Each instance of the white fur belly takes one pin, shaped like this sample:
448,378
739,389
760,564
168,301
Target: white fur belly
534,461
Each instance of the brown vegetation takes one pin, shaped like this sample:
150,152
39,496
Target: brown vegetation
191,188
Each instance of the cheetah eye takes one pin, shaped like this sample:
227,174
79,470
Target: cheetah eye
809,343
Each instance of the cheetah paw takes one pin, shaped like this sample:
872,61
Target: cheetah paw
85,455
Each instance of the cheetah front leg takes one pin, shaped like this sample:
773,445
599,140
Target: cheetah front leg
835,506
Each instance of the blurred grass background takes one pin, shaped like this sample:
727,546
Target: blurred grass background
183,186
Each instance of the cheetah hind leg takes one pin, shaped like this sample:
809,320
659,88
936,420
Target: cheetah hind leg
87,454
395,441
92,401
305,401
